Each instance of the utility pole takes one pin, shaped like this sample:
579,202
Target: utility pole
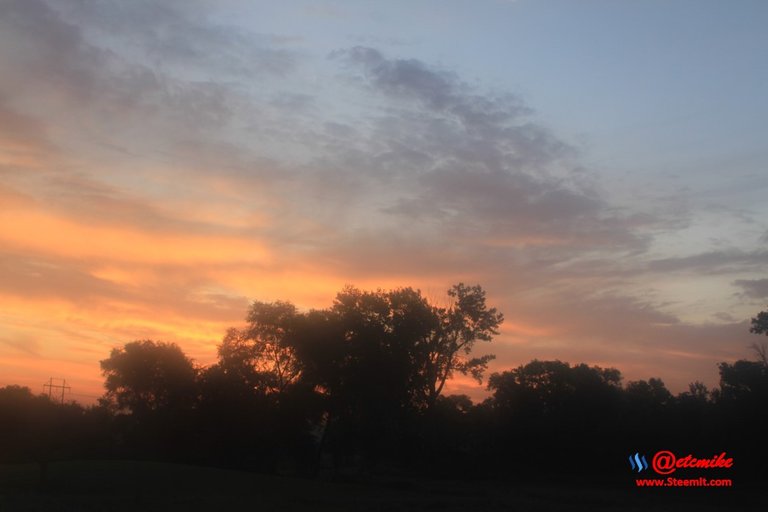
51,386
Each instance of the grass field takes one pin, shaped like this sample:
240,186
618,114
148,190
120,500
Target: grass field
149,486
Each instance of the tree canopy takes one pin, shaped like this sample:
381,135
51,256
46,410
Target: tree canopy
362,382
147,376
760,323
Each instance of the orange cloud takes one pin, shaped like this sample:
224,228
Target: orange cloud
47,234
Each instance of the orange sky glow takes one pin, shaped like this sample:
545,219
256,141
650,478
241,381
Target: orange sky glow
155,181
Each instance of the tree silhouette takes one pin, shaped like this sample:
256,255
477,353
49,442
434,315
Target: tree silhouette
389,346
744,381
697,394
236,369
747,380
34,428
374,359
648,394
24,423
146,376
760,326
547,390
760,323
360,384
466,321
539,409
272,354
383,333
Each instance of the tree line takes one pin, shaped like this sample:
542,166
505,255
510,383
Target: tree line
357,388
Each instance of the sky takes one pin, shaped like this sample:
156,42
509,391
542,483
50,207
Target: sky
599,167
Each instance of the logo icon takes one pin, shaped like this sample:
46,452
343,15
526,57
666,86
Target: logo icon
638,462
664,462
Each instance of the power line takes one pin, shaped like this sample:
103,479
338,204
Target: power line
51,386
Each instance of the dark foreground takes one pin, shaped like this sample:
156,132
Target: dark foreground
149,486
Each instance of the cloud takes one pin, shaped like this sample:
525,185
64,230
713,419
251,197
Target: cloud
68,238
23,344
87,69
91,202
489,129
184,166
713,262
403,78
440,177
41,279
180,34
753,288
24,142
47,52
11,199
613,329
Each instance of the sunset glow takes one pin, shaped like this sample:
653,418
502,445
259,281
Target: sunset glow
164,164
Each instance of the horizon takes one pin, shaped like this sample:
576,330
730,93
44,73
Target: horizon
598,169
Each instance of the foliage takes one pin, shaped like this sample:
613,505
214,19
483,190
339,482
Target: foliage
743,380
358,387
261,355
465,322
760,323
146,376
550,389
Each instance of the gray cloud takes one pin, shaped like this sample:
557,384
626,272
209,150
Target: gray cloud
494,126
754,288
714,262
46,51
180,34
518,202
90,63
398,78
438,164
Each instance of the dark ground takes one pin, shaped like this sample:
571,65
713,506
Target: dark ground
149,486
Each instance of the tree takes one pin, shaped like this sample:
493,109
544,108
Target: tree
394,346
466,321
744,381
760,323
697,393
383,345
360,370
146,376
378,359
35,428
547,411
235,370
548,389
648,395
760,326
25,421
262,355
270,328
